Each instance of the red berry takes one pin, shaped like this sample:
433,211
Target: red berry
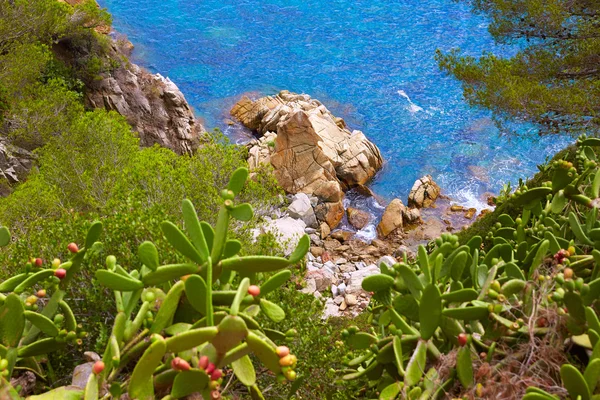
60,273
462,339
179,364
282,351
98,367
209,370
216,375
72,247
253,290
41,293
39,262
568,272
203,362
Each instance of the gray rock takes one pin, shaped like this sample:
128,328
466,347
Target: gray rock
338,300
323,278
310,230
315,239
287,230
311,286
302,209
334,290
360,265
342,288
340,261
347,267
330,310
389,261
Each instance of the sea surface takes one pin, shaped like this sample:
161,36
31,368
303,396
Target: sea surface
370,62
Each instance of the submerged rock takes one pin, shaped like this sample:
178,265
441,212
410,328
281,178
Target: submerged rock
358,218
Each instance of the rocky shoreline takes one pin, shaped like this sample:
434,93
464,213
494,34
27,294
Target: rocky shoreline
317,159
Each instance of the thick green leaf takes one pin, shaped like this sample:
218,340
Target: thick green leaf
592,374
575,306
195,291
464,367
532,195
264,351
181,243
11,283
251,264
466,313
301,249
118,282
166,273
458,265
361,340
397,343
93,234
416,365
577,229
189,382
376,283
12,321
275,282
148,255
242,212
141,386
391,391
61,393
191,338
460,296
4,236
33,279
164,316
194,229
39,347
241,292
244,370
272,310
430,311
559,201
43,323
237,180
209,233
574,382
411,279
91,388
407,306
232,247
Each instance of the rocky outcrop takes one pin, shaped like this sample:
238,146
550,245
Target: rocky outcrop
153,105
311,150
423,193
392,218
15,163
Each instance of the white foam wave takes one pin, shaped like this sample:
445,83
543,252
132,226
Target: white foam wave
412,107
367,234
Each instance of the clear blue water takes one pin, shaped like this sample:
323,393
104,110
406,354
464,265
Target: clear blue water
370,61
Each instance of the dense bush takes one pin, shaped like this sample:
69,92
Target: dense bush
491,318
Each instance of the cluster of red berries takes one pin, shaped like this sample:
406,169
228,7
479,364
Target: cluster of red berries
288,363
561,255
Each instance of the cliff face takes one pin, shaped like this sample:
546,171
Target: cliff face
152,104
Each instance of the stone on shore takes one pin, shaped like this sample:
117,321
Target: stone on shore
392,218
300,208
423,193
358,218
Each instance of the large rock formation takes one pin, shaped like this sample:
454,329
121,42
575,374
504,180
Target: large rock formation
152,104
423,193
312,151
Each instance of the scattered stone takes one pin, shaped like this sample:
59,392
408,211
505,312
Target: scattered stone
400,251
310,230
351,300
423,193
334,290
338,300
330,310
331,244
347,268
470,213
330,213
343,306
342,236
456,208
302,209
325,257
411,216
340,261
343,248
325,231
342,288
391,219
358,218
316,251
311,286
360,265
389,261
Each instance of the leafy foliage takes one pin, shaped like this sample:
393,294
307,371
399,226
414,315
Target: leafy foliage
553,81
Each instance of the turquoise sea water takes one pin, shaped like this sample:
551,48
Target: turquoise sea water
371,62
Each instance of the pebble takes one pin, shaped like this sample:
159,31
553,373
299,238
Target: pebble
340,261
341,288
343,306
351,300
334,290
338,300
310,230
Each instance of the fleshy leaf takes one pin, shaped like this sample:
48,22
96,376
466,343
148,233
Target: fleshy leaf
181,243
12,321
244,370
237,180
272,310
93,234
242,212
430,311
194,229
188,382
301,249
464,367
148,255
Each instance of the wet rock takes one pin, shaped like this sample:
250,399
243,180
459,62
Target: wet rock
358,218
391,219
411,216
423,193
300,208
470,213
330,213
456,208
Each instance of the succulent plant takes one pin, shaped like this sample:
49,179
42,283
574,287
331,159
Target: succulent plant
466,299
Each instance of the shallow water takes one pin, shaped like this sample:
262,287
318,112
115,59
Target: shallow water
371,62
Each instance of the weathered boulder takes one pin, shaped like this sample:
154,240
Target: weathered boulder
15,163
152,104
423,193
313,151
411,216
355,281
287,230
392,218
300,208
358,218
